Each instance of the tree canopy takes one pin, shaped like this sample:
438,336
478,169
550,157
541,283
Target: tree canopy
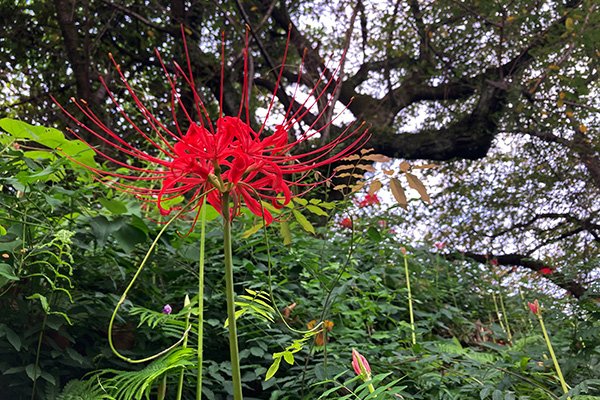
502,95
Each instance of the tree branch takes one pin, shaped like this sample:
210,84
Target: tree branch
574,288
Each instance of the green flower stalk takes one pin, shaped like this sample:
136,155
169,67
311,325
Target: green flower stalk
186,303
536,310
199,351
410,305
230,294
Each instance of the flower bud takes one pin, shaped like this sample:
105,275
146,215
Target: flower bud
361,365
534,307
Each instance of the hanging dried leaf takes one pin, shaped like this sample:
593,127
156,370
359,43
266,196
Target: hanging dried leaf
388,172
425,166
351,158
375,186
340,187
365,167
344,167
365,151
416,184
347,174
377,158
398,193
404,166
357,187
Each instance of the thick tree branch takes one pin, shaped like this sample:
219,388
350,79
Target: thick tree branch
574,288
77,57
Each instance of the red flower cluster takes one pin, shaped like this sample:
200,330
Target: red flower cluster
369,200
229,157
546,271
346,223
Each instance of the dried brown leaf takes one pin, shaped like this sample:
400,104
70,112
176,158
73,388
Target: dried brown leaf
404,166
398,193
375,186
351,158
344,167
425,166
416,184
377,158
357,187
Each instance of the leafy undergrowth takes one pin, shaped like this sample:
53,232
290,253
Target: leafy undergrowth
68,250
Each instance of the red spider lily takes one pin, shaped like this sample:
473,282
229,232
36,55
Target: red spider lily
227,157
369,200
546,271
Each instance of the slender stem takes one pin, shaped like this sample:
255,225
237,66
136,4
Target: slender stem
124,297
201,300
505,315
498,315
410,306
186,303
233,344
37,355
371,388
162,388
563,384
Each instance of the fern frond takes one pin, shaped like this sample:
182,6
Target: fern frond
135,385
82,390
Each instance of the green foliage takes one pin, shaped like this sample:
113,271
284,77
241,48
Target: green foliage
71,246
138,385
78,390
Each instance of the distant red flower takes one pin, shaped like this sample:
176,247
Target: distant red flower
346,223
494,262
382,223
227,157
369,200
546,271
439,245
534,307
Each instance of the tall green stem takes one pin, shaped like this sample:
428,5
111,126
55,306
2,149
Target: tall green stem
498,315
186,303
561,378
201,300
505,315
233,344
410,305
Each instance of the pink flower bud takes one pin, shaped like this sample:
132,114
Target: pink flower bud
534,307
167,309
361,365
